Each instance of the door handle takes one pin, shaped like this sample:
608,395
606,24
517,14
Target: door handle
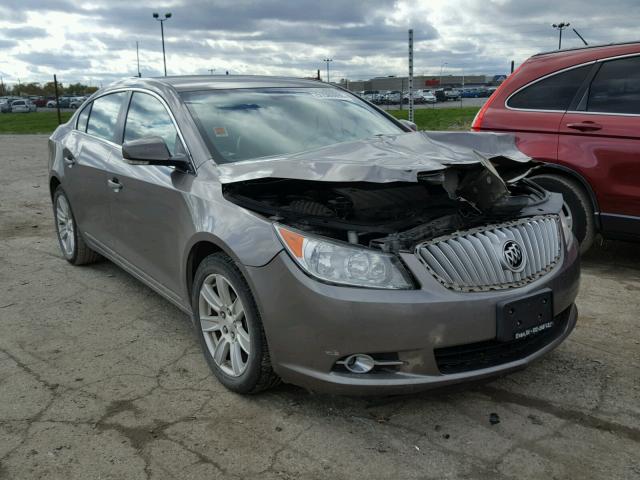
114,184
585,126
69,159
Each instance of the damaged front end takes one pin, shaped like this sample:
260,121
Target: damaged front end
392,193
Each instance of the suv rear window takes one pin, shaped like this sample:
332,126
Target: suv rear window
616,87
552,93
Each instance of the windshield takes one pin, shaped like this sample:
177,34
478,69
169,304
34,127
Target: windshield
252,123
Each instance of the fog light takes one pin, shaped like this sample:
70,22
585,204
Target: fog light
359,363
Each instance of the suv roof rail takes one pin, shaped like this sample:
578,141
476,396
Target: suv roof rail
587,47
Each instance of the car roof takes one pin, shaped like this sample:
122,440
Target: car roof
606,46
219,82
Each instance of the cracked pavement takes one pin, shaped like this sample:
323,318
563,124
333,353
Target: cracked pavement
102,378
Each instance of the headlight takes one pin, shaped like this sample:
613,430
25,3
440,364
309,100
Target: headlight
566,228
343,263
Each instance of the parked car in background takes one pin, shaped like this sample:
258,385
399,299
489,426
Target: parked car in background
372,96
578,111
22,106
76,102
64,102
474,92
38,101
393,97
5,105
312,237
428,97
440,95
452,94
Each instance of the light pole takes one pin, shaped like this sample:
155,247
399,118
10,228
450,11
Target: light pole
441,68
560,27
138,59
167,16
327,60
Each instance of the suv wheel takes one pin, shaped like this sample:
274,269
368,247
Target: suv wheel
72,245
228,325
577,206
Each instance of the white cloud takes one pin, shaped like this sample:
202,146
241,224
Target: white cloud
95,41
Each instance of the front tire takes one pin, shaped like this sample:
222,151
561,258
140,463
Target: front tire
229,327
577,206
72,245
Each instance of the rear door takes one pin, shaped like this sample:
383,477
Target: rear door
601,139
536,110
148,204
86,154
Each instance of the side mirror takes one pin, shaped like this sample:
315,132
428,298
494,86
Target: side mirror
409,125
152,151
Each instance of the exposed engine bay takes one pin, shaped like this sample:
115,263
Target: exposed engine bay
391,192
391,216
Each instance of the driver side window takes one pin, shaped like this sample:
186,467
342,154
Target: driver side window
147,117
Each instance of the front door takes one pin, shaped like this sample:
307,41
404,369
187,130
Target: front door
148,208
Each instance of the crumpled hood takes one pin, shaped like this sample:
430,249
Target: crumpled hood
387,158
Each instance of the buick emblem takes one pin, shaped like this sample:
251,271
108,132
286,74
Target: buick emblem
513,256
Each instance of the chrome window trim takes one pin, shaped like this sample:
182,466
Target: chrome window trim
600,60
94,137
549,75
610,114
80,110
164,104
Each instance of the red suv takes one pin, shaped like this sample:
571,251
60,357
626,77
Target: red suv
579,112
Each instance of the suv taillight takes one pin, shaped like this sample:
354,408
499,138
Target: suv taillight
479,118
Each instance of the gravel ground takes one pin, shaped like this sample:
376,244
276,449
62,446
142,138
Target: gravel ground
102,378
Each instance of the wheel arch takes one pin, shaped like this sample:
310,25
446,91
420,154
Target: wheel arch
54,182
554,169
201,246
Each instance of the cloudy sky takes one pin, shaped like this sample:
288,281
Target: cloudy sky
94,42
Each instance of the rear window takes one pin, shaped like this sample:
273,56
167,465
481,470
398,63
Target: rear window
82,119
616,87
104,116
551,93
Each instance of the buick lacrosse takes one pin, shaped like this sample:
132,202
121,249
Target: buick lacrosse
314,239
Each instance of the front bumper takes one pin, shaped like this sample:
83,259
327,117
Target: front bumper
310,325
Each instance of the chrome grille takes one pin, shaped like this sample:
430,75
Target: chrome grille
475,260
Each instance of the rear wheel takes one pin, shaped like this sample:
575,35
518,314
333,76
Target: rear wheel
577,206
73,246
228,324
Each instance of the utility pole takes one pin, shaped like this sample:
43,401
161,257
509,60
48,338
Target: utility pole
138,59
167,16
410,75
327,60
560,27
441,68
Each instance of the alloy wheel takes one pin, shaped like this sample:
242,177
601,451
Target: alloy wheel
224,325
65,226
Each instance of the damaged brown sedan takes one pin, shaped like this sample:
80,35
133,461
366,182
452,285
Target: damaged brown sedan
313,238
